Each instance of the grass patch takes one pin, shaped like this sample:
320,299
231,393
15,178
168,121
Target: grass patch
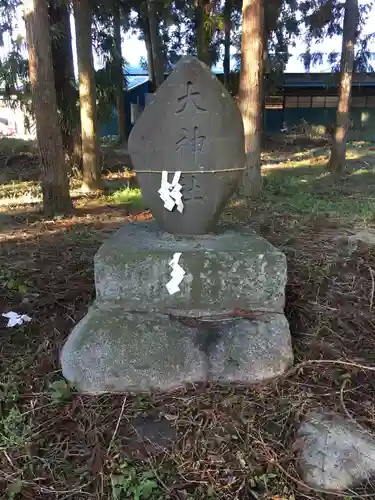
318,193
12,146
18,189
127,196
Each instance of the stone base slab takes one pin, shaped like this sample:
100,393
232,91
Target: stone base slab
233,268
113,350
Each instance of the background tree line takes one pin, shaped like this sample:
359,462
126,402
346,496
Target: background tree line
256,33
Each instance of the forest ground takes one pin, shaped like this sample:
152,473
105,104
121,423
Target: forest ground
230,443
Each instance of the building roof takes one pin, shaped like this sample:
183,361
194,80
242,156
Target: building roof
325,80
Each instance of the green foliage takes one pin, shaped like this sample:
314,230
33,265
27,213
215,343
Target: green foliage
15,430
14,488
324,19
137,485
60,391
110,140
311,191
10,281
127,196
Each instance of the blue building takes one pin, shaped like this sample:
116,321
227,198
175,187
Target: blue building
299,98
135,99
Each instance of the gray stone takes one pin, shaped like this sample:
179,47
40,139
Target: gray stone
366,236
158,431
227,270
138,337
192,125
113,350
336,454
252,351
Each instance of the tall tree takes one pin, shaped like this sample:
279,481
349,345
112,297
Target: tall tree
55,183
119,64
227,31
204,10
143,25
338,151
87,96
250,92
156,43
66,92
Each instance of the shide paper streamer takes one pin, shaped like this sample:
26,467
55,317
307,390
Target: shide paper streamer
170,193
177,275
15,319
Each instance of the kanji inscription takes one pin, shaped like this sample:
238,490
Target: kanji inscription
192,127
191,188
191,144
189,97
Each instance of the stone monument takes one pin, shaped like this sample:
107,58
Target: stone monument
179,299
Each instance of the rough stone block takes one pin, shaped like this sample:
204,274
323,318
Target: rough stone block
336,454
226,270
251,351
129,341
112,350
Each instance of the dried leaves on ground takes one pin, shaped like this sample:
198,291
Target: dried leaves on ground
202,442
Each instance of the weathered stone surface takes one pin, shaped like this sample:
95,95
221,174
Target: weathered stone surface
113,350
364,236
192,125
336,454
128,341
251,351
231,269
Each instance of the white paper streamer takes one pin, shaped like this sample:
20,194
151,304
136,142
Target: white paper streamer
16,319
177,275
170,193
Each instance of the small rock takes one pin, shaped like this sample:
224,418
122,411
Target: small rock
364,236
336,454
160,432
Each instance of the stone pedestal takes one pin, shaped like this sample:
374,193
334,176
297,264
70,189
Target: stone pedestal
138,337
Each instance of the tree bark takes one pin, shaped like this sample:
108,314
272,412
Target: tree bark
66,92
156,45
55,183
250,93
266,35
202,10
120,98
87,97
227,30
144,26
150,61
338,152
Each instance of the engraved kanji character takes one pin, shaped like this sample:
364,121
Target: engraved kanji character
193,145
190,96
191,188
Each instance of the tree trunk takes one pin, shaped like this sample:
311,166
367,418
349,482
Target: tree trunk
338,152
150,61
203,41
156,45
250,93
144,26
120,98
227,30
55,183
87,97
66,92
264,85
